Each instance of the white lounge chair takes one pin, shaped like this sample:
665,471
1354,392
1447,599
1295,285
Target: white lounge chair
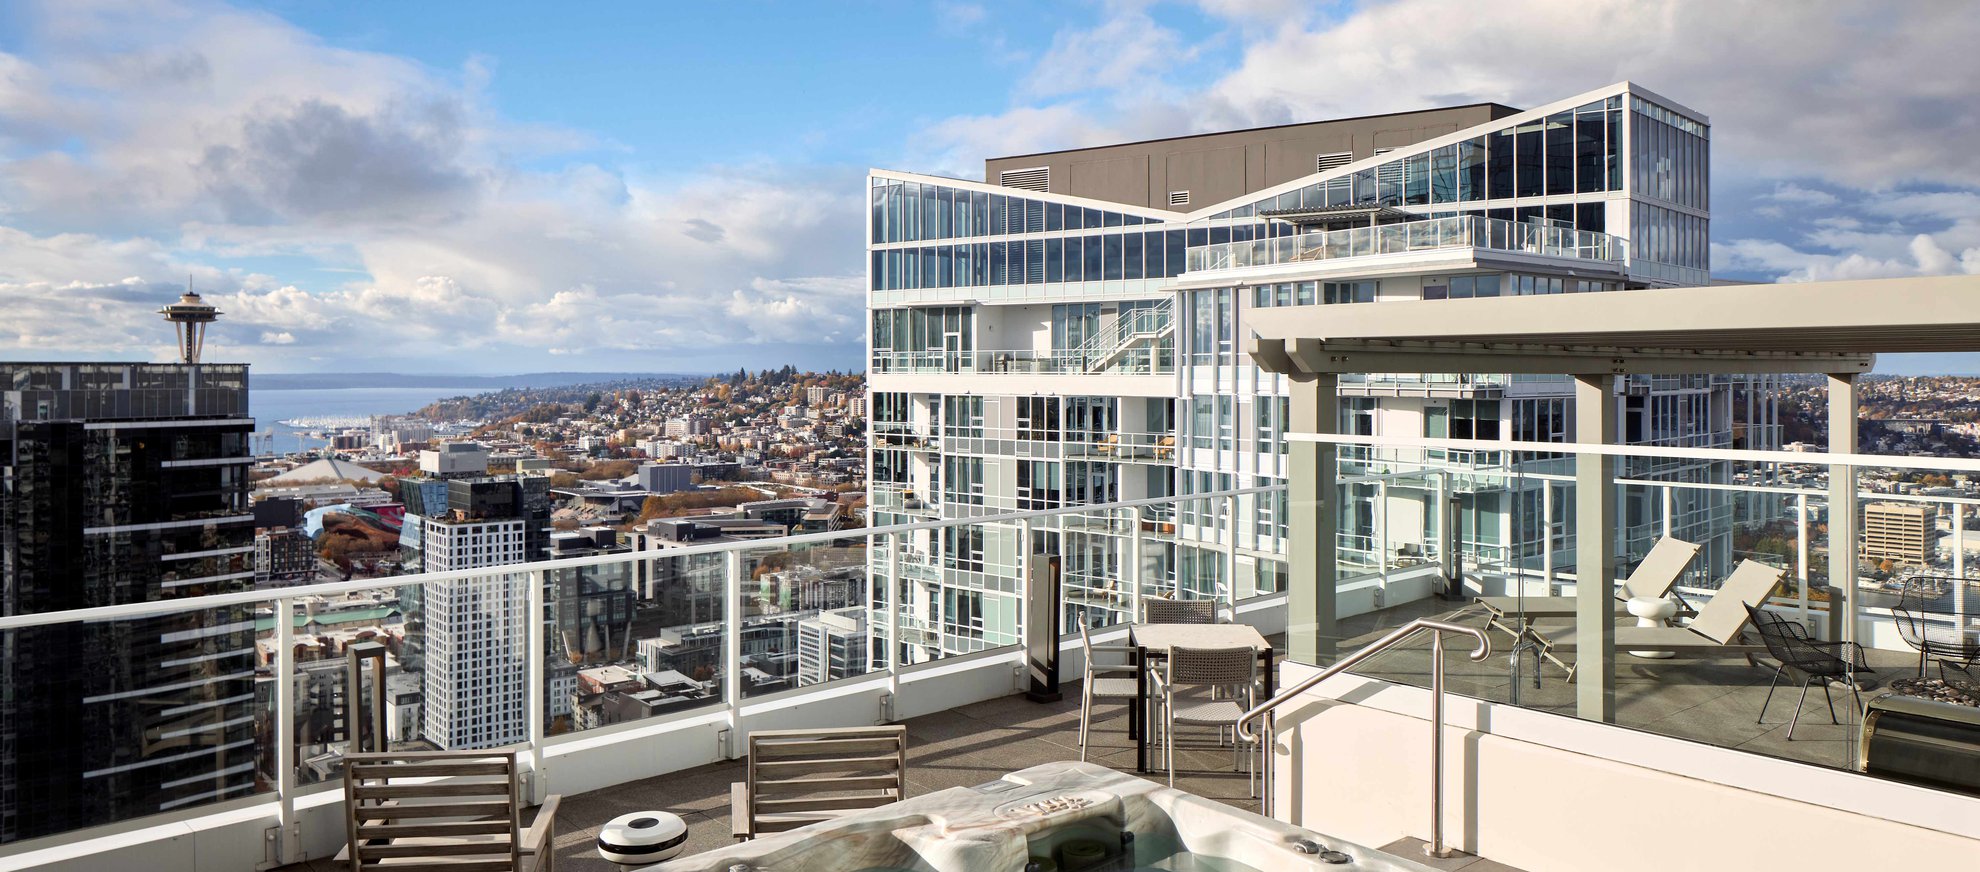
1717,628
1653,577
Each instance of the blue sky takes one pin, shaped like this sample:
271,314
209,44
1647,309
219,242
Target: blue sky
497,187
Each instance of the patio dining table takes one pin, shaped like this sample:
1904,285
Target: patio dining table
1152,643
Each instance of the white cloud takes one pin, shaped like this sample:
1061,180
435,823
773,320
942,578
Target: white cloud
142,143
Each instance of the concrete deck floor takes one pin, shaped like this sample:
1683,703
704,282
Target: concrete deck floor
1713,700
957,748
1709,700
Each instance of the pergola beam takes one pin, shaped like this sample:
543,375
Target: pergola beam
1359,357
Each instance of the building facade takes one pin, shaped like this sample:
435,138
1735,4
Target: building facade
1074,335
1904,532
124,483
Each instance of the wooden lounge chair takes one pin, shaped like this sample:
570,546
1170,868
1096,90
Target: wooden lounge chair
442,809
1716,629
1653,577
795,778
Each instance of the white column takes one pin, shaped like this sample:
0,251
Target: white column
1669,503
1595,526
1314,509
1842,509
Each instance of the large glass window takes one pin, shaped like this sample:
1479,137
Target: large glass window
1094,253
1111,267
1529,148
1500,165
1560,153
1055,260
1416,180
1444,175
1131,256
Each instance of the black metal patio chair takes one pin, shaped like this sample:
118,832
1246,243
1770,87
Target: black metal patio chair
1806,661
1928,622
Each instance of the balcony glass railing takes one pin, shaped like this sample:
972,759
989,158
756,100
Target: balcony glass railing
1513,526
1155,358
1467,231
600,654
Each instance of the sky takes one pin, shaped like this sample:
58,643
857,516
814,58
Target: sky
500,187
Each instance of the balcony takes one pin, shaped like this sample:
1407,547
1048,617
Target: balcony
1492,234
670,743
1146,358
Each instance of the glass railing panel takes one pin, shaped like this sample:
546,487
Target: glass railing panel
112,720
634,640
805,615
379,637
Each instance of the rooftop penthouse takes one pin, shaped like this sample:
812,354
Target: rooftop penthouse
1491,641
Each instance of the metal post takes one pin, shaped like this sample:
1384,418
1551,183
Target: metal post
1959,552
1230,551
732,689
1801,554
536,694
1668,503
285,730
1436,847
896,601
1131,571
1547,536
1382,539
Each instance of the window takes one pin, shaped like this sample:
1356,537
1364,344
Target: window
1529,149
1178,198
1560,153
1499,163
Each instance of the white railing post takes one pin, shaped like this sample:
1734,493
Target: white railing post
1668,502
1959,551
896,600
1230,551
1024,600
1801,555
1547,536
1131,573
536,695
732,687
290,839
1381,542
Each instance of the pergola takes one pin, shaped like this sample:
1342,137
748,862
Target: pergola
1833,329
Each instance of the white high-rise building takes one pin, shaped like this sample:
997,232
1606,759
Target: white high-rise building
475,661
1075,332
832,645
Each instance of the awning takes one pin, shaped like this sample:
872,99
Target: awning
1826,327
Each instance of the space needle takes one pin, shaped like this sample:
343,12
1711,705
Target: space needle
190,315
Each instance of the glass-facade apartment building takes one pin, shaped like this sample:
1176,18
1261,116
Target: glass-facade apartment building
1075,333
124,483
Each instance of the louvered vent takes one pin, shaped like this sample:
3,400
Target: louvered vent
1325,162
1034,179
1178,198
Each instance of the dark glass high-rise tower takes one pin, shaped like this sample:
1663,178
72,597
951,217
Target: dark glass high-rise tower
123,483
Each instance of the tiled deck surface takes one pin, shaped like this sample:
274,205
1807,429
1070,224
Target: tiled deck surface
967,746
1713,700
1710,700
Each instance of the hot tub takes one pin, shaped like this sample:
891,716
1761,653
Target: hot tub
1059,817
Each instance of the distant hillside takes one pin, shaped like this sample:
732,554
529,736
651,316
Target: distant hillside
298,381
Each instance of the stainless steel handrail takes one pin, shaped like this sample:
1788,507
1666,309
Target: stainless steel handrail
1437,629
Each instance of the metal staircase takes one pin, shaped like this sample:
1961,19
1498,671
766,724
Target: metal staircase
1134,328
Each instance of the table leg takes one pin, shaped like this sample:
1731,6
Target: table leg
1271,680
1134,711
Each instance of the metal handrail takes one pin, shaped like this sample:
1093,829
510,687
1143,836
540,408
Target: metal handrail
1435,847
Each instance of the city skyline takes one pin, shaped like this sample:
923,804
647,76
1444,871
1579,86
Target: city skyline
322,174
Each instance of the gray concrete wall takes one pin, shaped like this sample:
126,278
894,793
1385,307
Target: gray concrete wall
1215,167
